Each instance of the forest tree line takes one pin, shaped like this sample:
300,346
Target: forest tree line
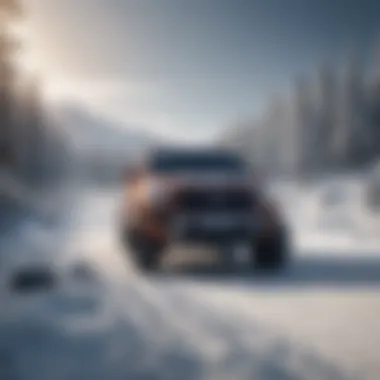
32,147
327,123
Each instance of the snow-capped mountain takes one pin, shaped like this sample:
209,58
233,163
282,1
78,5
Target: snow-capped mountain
93,133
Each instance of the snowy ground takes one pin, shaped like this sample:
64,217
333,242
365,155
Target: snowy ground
319,320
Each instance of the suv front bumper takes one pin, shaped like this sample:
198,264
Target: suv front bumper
212,228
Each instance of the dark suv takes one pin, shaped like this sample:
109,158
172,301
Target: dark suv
200,196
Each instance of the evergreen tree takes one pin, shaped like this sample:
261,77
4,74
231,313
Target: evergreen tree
326,116
8,45
34,133
276,135
352,112
374,121
304,145
374,107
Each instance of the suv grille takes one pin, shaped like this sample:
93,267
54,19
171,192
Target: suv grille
215,200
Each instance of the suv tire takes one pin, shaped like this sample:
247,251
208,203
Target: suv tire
270,253
145,252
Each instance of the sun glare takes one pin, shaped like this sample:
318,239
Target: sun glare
19,30
25,60
56,91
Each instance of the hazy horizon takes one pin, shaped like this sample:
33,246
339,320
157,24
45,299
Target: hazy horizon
189,69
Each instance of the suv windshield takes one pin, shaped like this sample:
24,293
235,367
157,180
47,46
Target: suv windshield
169,162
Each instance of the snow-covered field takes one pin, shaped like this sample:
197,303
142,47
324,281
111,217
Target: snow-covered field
319,320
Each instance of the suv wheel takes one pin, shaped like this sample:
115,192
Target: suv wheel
145,252
270,253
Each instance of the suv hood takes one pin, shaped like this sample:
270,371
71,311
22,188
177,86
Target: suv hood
206,180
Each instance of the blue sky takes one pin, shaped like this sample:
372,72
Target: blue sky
187,68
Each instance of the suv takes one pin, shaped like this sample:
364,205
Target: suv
200,196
